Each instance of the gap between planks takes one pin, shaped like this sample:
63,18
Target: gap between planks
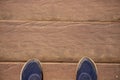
83,21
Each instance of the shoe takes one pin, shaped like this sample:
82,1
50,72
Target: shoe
86,70
32,71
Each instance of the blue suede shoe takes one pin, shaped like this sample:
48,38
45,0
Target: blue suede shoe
86,70
32,71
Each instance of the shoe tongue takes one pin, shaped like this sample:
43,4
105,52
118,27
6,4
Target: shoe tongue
34,77
84,76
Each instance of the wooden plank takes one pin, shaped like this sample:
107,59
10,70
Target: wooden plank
59,71
67,10
59,41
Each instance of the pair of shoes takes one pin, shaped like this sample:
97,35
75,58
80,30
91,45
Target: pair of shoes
86,70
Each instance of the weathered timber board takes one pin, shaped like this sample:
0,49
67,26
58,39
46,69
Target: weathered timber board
65,10
59,71
59,41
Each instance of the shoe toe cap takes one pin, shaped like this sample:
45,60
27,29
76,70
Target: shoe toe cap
32,71
87,67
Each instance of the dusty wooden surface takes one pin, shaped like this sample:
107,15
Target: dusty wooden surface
59,71
59,41
66,10
60,31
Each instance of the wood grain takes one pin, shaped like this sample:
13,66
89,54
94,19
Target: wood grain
65,10
59,41
59,71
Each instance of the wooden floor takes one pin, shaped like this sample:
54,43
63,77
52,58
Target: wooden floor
59,33
59,71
